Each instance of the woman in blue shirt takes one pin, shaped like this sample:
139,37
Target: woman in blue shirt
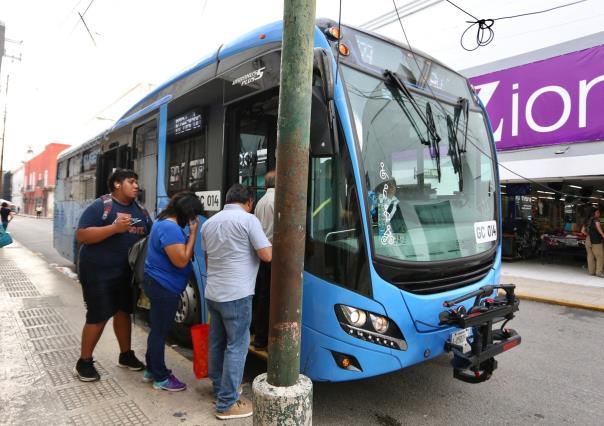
167,267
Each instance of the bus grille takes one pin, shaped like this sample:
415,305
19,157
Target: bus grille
446,282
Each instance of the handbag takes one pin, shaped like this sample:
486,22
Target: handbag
5,238
199,337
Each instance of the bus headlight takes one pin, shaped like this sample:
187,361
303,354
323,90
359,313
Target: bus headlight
380,324
370,327
354,316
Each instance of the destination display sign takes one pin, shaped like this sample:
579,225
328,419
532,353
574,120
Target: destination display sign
186,123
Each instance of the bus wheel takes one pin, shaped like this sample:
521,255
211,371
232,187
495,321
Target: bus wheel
187,313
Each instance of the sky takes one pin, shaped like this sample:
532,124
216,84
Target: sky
66,87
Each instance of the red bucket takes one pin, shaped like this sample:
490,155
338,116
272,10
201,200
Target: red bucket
199,336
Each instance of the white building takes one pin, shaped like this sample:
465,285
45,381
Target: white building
17,181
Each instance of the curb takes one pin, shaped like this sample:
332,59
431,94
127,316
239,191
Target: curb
560,302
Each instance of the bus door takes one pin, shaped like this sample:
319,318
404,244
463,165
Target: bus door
145,164
116,157
252,141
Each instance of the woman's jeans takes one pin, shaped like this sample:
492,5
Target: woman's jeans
229,342
163,310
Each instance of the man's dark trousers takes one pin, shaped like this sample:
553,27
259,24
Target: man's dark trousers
261,312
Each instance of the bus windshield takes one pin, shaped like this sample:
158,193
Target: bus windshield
429,171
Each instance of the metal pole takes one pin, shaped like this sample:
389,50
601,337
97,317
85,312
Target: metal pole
3,133
293,134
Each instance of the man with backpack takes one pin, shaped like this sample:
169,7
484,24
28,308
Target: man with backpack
107,229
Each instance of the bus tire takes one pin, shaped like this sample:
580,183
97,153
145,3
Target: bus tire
187,313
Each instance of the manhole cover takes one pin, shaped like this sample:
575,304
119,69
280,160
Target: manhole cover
48,330
124,413
64,375
40,316
65,356
8,266
13,276
24,291
56,342
90,393
37,312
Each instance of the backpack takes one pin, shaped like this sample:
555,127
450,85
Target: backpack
108,205
136,259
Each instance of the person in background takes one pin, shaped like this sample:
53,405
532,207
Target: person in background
38,212
234,243
167,268
265,212
106,230
5,214
593,244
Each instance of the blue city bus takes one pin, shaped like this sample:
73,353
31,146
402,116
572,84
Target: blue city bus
403,245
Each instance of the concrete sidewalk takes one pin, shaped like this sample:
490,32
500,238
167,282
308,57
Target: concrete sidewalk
41,316
566,285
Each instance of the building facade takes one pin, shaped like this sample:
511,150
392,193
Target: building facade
39,180
17,179
545,109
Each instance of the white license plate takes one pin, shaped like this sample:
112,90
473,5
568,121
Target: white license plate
460,338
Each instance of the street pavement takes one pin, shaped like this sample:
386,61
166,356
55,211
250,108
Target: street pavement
554,377
41,316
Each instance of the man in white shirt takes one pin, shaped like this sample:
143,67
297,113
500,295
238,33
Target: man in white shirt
234,243
265,212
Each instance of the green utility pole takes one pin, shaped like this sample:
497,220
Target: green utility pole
293,135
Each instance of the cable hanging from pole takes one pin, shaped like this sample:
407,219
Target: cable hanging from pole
485,33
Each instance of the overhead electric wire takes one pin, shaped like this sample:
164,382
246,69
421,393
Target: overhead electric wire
389,18
485,33
488,155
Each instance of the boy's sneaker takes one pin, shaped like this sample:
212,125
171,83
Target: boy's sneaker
239,410
147,377
85,371
130,361
171,384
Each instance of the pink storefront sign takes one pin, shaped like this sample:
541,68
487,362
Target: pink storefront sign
559,100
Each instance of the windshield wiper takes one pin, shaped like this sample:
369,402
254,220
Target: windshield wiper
455,150
428,119
393,78
434,138
463,105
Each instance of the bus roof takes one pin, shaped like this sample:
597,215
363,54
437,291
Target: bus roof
264,35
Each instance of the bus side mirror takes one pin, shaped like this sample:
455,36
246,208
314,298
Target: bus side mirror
323,123
322,63
323,141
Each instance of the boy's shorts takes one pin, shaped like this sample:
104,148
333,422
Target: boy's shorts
106,290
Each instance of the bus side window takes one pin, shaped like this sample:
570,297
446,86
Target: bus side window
335,243
255,123
186,163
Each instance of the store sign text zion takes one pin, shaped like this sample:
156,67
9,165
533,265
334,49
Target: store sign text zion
553,101
486,92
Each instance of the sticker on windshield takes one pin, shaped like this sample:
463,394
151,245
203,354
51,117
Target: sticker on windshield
485,231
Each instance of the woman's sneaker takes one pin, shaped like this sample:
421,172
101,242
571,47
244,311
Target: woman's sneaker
130,361
239,410
147,377
85,371
171,384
